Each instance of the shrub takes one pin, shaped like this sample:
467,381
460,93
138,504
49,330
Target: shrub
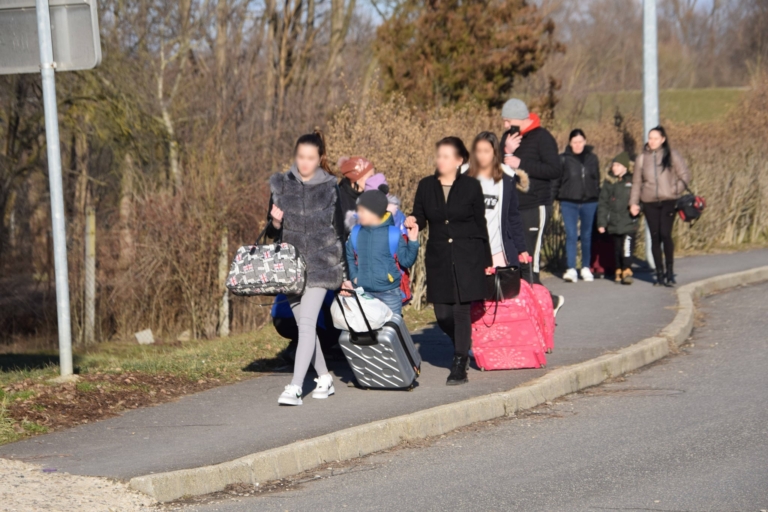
728,161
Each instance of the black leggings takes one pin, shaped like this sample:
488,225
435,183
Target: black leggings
660,217
456,322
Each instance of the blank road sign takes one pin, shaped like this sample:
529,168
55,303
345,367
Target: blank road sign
74,30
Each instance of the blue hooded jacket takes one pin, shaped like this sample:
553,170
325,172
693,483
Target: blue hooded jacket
372,266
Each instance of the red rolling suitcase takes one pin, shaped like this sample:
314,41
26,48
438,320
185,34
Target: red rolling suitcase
509,334
544,301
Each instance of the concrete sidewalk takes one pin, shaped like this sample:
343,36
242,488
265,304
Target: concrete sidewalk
683,434
232,421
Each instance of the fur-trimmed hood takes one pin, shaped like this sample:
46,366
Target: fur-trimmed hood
612,178
522,180
350,217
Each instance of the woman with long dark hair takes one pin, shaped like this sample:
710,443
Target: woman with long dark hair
305,211
506,234
458,254
659,180
577,190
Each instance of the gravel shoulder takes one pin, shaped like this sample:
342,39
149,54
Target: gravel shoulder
28,487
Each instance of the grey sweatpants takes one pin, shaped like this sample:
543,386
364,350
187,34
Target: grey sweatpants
306,307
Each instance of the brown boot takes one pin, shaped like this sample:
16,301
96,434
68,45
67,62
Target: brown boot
618,275
626,276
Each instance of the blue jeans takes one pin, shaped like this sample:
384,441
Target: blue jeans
572,213
391,298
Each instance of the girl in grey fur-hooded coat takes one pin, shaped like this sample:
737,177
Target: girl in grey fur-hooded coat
313,222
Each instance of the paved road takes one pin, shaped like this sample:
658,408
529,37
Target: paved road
232,421
688,434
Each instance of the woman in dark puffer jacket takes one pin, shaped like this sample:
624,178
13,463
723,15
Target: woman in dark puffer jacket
578,190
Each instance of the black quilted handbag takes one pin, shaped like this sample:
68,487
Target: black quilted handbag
267,269
503,284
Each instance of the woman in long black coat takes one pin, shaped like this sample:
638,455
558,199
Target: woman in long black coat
458,253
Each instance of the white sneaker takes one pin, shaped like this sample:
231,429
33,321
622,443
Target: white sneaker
324,387
570,276
560,301
291,395
586,275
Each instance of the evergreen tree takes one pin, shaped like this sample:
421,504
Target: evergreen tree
443,51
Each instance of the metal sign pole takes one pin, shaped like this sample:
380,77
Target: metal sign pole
54,177
650,90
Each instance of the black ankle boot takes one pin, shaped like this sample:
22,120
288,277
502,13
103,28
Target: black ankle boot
458,371
670,276
661,278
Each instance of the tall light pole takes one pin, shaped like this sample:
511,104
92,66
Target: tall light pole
650,90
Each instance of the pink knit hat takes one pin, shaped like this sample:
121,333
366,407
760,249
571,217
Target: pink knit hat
375,182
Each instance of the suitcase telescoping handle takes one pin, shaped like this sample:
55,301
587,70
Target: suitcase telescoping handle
354,336
526,268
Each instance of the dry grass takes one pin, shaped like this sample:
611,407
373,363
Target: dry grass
116,376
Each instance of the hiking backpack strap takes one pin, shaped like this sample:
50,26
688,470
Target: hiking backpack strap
353,236
394,240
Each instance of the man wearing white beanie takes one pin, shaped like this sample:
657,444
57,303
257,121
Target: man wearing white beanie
528,146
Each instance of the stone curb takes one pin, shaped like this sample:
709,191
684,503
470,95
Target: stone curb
380,435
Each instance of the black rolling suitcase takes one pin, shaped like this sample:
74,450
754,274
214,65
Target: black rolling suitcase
383,359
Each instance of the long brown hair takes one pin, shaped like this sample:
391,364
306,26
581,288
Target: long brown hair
316,139
474,168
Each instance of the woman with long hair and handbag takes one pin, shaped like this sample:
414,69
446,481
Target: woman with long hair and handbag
305,211
660,178
506,234
458,254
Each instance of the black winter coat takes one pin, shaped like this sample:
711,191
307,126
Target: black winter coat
613,208
580,182
512,230
348,196
540,158
458,251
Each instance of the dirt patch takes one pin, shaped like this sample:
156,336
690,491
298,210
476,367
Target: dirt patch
94,397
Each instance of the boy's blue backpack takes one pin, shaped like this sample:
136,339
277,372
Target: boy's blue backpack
394,242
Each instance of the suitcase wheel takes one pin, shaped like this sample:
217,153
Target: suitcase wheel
549,351
410,388
543,366
482,369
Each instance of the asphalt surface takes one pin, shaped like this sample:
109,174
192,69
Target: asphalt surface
232,421
687,434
